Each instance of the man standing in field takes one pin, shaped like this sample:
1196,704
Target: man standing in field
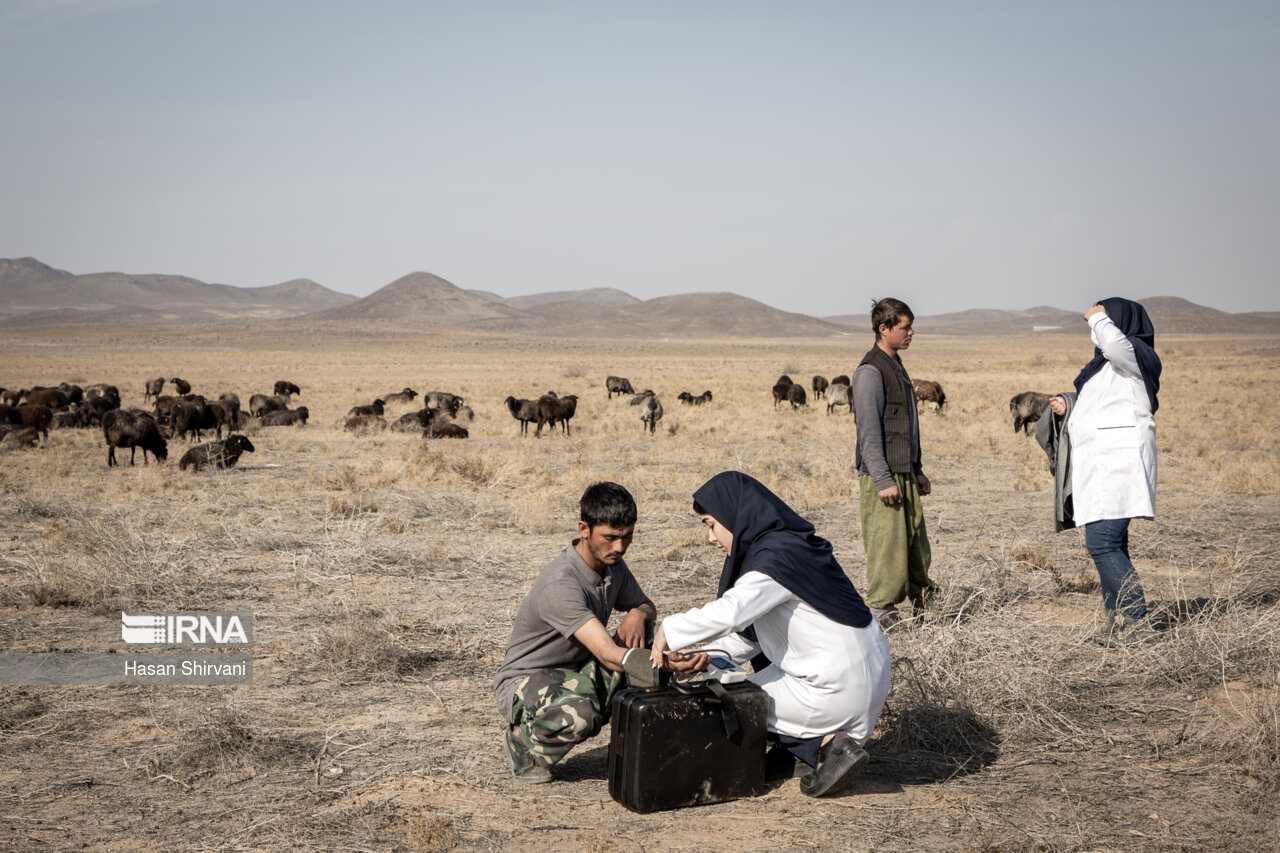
891,481
562,666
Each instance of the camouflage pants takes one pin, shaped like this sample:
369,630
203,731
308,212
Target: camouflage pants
556,709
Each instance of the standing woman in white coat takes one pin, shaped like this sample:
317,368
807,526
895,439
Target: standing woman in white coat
786,605
1112,431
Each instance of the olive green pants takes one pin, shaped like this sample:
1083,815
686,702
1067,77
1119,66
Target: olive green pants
896,544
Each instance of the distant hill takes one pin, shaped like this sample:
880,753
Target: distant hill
728,315
609,297
33,292
427,298
421,297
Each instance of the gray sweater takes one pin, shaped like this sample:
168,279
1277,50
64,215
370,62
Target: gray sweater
868,404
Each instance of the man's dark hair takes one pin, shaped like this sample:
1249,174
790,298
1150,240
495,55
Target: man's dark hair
889,312
608,504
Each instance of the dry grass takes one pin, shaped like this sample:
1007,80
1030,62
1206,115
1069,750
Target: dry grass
384,572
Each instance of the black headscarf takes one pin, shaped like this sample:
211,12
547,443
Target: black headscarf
1132,321
769,537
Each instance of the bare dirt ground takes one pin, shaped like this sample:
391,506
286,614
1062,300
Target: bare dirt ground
384,571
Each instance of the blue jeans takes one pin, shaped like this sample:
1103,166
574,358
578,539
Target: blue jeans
1108,543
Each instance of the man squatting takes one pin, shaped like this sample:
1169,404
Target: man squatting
562,666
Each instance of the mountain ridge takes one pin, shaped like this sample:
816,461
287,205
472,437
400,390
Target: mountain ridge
33,293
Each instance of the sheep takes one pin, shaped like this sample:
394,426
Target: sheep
288,417
192,417
225,414
122,428
651,413
405,396
445,430
96,407
152,388
618,385
784,379
16,438
690,400
259,404
377,407
414,421
552,409
641,397
286,389
1027,408
442,400
9,397
364,423
819,386
842,379
101,389
230,397
465,413
929,392
796,396
75,394
10,415
164,406
182,385
522,410
37,416
839,394
780,392
54,398
216,454
73,418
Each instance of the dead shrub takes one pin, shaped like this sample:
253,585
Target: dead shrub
432,833
218,737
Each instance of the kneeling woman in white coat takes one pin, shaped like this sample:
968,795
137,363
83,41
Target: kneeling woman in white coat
785,604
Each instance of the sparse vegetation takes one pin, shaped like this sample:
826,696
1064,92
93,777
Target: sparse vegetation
384,573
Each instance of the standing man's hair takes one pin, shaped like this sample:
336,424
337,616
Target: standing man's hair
609,504
889,312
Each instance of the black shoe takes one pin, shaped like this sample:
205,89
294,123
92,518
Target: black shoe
780,763
839,762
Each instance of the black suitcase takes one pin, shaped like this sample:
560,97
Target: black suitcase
686,745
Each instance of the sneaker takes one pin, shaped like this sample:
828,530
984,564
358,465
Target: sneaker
839,762
638,666
887,617
524,767
1104,635
1133,632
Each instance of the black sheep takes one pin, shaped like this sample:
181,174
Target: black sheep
123,428
216,454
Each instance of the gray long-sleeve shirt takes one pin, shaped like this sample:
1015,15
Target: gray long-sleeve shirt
868,404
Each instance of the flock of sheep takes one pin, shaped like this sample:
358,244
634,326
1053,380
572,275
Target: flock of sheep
28,414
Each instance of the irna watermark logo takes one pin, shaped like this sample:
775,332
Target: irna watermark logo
210,629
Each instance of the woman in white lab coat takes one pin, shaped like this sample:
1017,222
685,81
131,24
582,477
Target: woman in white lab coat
1112,432
785,604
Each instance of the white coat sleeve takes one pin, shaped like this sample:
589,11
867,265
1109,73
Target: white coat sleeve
752,596
1116,348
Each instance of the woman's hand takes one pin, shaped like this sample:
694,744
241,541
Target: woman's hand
659,646
1058,404
1094,310
686,663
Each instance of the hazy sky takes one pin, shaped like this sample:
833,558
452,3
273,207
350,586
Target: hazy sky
811,155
